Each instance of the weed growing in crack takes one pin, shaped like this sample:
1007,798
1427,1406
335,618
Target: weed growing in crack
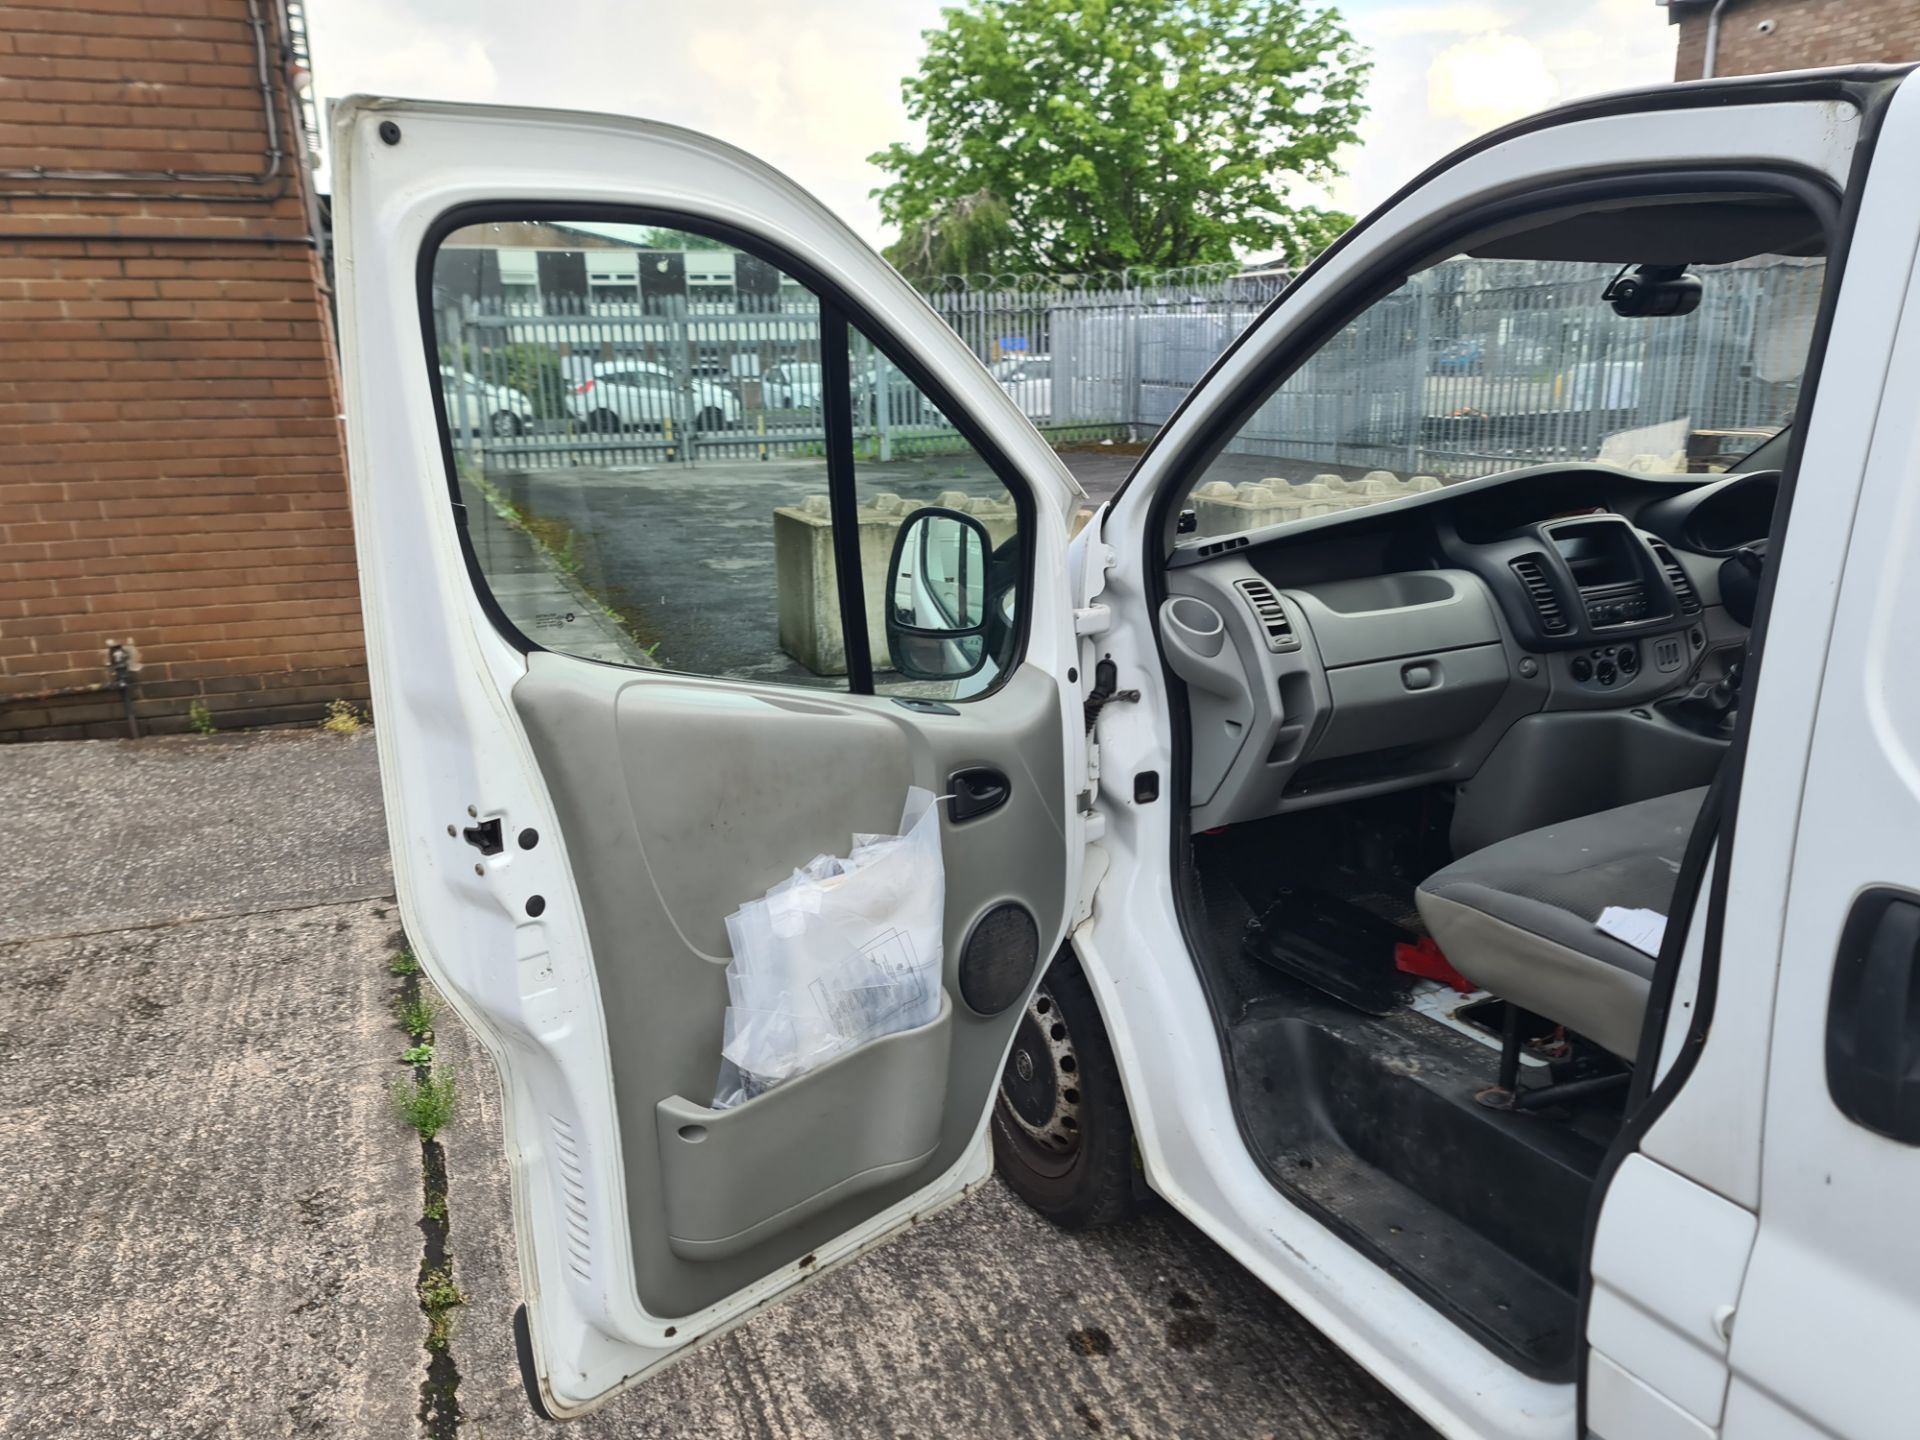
439,1297
425,1101
200,718
416,1015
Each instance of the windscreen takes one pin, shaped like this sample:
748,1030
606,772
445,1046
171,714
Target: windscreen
1472,367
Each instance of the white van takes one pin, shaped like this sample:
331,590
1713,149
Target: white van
1490,911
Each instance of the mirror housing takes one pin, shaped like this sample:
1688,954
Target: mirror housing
936,595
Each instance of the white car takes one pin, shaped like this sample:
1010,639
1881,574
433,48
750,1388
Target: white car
1029,380
475,406
791,385
630,395
1490,913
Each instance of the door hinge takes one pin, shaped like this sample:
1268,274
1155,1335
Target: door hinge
1092,620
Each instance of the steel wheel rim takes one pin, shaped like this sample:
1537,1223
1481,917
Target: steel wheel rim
1040,1102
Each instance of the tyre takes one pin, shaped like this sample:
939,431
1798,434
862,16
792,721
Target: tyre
1061,1135
711,419
603,422
504,424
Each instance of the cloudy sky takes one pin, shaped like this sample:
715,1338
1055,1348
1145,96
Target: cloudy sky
813,86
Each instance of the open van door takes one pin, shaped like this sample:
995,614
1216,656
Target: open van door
630,674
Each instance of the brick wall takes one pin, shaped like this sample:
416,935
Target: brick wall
1806,35
172,472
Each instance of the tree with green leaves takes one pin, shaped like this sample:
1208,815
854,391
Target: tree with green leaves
1115,134
967,235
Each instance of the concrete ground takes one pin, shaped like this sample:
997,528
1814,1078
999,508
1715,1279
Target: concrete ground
212,1216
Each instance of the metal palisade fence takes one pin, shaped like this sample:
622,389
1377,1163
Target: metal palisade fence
1470,366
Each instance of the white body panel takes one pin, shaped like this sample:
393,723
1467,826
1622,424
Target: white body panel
1830,1318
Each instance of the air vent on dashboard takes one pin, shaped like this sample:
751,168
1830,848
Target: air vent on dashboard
1677,577
1533,579
1271,614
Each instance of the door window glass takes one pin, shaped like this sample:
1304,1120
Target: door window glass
648,467
908,456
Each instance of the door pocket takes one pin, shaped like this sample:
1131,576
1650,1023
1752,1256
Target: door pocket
734,1178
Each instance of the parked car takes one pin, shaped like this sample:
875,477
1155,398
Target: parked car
632,395
1029,380
795,385
474,405
1490,912
791,385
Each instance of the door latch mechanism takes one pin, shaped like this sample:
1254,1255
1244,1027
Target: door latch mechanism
485,836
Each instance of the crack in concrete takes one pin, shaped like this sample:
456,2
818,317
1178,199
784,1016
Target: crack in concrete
171,922
439,1412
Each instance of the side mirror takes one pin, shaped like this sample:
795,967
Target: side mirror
936,596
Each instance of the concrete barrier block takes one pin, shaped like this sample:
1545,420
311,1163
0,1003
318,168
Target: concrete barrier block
806,585
1211,515
1319,498
806,577
1221,509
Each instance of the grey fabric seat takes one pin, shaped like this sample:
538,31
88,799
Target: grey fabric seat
1517,918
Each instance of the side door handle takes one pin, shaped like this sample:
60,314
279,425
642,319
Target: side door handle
974,792
1873,1016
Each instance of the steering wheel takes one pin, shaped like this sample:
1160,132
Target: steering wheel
1740,576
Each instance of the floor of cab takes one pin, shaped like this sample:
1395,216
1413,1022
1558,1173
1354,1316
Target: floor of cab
1370,1121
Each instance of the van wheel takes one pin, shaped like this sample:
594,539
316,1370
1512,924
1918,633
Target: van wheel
711,419
1061,1135
603,422
504,424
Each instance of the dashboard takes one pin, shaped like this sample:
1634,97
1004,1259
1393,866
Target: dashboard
1557,632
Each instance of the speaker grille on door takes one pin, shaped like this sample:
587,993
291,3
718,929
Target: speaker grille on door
998,958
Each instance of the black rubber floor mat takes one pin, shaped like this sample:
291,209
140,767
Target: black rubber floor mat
1371,1124
1340,948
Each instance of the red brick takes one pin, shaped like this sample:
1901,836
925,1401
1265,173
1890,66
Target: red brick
174,466
1806,34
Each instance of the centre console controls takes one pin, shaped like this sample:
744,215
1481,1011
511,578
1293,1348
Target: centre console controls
1606,665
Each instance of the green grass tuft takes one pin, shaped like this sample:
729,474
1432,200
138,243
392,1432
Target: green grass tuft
403,964
426,1105
416,1015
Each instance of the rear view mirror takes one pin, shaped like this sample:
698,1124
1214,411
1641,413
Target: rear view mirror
937,596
